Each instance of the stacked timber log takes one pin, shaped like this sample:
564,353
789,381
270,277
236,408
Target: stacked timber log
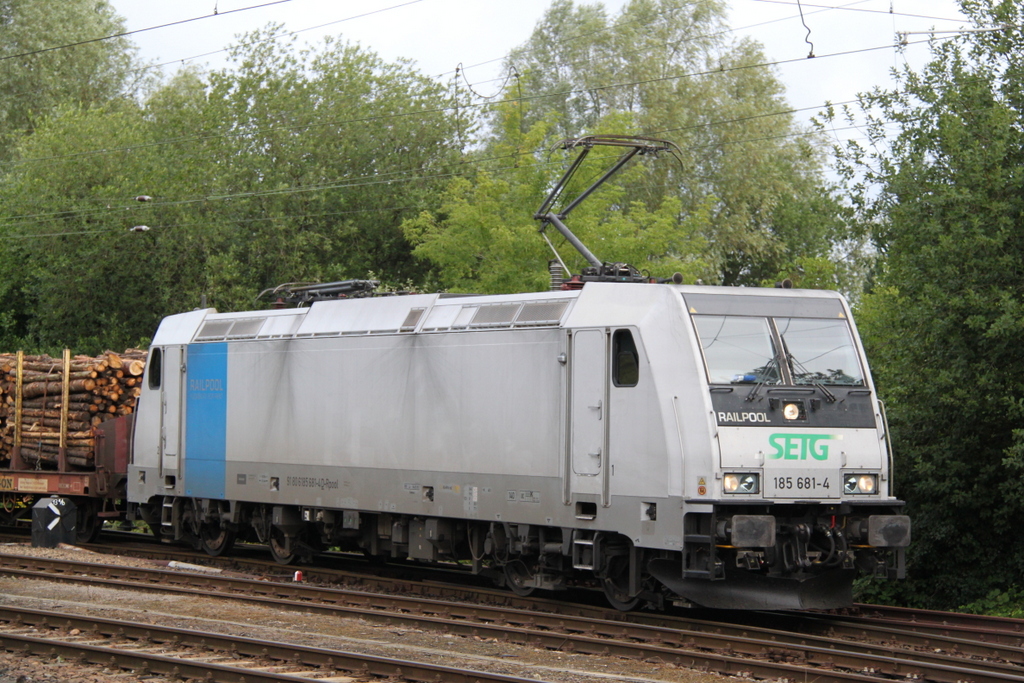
42,421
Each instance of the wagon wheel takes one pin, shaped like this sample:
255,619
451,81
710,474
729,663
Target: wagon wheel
87,523
616,585
519,578
215,540
279,548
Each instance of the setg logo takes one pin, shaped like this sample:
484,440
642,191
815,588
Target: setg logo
800,446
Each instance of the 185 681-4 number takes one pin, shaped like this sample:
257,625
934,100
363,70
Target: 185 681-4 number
798,483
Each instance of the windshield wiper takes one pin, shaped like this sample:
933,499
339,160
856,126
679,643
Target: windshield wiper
794,363
773,363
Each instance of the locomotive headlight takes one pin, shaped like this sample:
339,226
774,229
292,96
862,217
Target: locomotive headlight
743,482
791,411
860,483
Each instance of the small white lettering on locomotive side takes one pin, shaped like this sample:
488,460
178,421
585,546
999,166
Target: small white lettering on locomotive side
205,385
743,417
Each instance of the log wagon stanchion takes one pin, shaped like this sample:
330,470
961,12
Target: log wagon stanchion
66,427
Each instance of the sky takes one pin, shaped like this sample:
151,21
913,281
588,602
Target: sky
439,35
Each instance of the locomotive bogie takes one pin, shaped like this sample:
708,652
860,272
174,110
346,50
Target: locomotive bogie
651,439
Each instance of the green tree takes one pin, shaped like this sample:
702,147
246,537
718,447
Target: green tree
749,180
73,272
36,79
293,165
484,237
670,65
939,181
336,147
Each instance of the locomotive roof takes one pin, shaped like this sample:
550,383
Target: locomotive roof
597,304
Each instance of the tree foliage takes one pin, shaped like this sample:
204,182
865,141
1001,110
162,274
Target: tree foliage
39,75
294,164
484,237
666,68
319,163
940,184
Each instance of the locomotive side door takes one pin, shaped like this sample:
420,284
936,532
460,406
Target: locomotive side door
170,412
588,413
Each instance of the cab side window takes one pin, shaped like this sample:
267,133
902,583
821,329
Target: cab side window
625,359
156,369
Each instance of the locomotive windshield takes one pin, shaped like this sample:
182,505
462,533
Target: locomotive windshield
746,350
738,350
820,351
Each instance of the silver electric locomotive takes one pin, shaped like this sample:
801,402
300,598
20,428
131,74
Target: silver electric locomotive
716,446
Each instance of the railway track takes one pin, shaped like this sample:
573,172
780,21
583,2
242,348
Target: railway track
186,653
778,645
877,623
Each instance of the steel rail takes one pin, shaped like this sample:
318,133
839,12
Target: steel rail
966,635
295,656
983,643
1008,630
772,653
977,643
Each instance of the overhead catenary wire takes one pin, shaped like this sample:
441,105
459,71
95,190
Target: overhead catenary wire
304,126
807,38
789,111
124,34
476,162
182,60
435,110
520,98
850,8
377,178
820,9
347,184
285,34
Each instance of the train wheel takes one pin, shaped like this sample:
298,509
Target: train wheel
216,541
618,598
278,548
519,578
87,524
616,586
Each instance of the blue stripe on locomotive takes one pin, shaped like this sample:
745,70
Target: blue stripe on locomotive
206,420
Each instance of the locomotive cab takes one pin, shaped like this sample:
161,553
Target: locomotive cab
802,488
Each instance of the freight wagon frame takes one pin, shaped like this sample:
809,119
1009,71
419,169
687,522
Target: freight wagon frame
49,452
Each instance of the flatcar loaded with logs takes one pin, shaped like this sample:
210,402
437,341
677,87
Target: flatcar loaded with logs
65,426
